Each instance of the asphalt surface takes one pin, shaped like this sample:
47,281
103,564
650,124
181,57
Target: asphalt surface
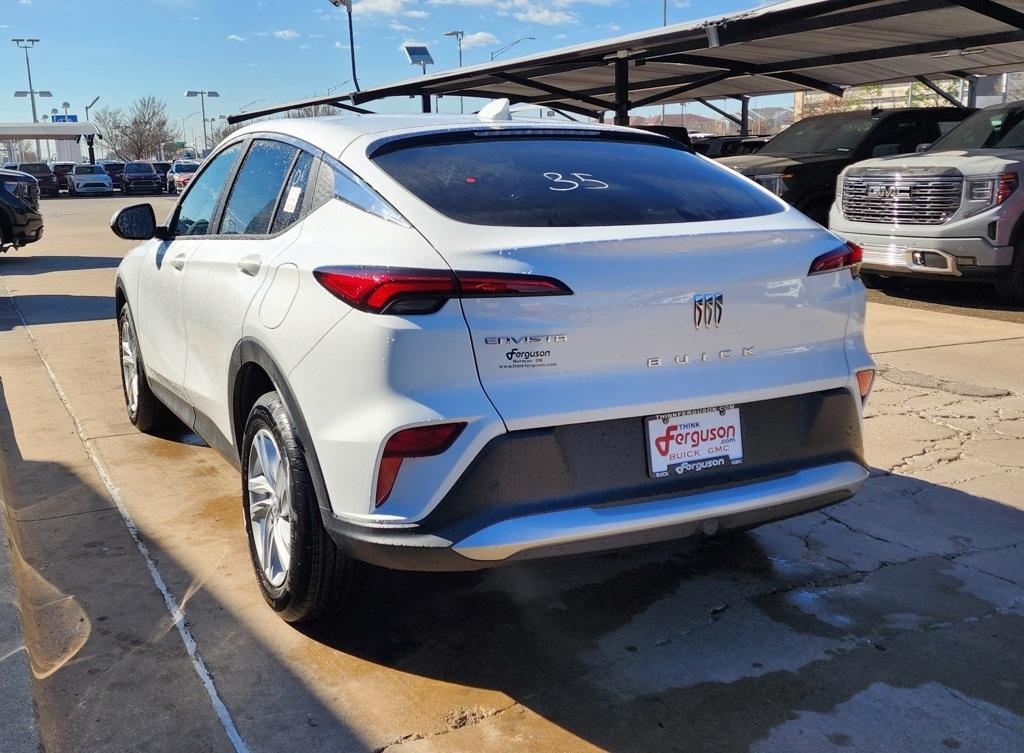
890,622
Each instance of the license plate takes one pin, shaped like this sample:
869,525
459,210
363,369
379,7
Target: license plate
688,442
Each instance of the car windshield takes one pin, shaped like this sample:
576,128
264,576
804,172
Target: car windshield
822,134
161,165
88,170
138,167
113,166
583,180
185,167
986,129
37,169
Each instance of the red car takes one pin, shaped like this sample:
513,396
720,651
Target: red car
179,174
43,174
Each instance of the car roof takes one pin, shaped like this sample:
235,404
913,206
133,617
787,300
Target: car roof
333,134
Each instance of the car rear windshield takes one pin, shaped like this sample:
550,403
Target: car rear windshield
568,181
138,167
986,129
88,170
823,134
186,167
38,169
113,166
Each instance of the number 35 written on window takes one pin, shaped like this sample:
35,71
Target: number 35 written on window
576,180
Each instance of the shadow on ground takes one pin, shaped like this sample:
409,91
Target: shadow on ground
11,264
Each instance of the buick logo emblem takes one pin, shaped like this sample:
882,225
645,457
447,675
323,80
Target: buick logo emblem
707,310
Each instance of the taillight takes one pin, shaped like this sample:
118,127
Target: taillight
420,442
386,290
847,256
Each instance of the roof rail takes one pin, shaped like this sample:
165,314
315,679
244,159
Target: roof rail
334,101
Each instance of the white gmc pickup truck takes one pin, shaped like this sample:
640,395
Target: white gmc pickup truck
951,211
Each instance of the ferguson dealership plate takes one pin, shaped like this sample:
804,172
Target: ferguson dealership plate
684,443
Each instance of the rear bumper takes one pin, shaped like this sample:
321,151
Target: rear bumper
585,487
601,527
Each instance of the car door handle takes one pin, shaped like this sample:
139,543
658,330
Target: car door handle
250,265
178,262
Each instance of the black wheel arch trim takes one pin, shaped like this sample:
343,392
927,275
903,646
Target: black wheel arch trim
249,351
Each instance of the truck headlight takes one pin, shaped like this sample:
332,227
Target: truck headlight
985,193
774,182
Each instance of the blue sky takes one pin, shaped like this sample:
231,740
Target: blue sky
282,49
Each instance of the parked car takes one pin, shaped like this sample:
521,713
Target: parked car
802,163
952,212
500,361
60,172
179,175
140,177
43,174
115,170
20,220
89,179
725,146
161,170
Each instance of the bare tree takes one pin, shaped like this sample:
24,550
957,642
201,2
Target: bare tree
138,133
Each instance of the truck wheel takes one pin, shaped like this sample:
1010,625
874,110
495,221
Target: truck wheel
1011,285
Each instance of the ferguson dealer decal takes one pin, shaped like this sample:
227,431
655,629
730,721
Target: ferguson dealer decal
527,351
692,441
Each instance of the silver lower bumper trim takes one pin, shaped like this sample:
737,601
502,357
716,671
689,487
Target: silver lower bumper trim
510,537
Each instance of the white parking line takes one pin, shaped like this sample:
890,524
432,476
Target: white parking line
180,621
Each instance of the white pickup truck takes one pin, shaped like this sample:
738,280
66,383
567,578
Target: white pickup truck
953,210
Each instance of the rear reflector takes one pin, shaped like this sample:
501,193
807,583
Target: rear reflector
420,442
387,290
847,256
865,380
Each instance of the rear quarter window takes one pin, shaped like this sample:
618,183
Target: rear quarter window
528,181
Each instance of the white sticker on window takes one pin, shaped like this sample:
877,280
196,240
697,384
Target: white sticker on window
292,200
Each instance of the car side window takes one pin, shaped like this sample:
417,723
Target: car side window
293,199
336,182
896,135
936,128
196,210
250,206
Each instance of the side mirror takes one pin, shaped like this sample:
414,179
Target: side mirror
134,223
923,147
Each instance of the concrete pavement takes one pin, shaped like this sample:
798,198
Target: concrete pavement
892,621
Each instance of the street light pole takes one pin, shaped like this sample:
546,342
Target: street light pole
26,45
203,94
351,37
458,34
509,46
89,107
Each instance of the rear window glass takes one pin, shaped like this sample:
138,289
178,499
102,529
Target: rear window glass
35,168
138,167
556,181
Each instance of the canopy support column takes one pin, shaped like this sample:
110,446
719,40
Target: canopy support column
425,102
621,92
945,95
719,110
89,138
744,115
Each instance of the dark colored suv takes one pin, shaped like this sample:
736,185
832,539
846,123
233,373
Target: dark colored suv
161,170
43,174
20,221
140,177
802,163
61,171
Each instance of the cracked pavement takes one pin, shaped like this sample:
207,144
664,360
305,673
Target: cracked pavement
893,621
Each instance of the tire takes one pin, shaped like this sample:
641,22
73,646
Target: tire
147,414
1010,286
301,572
172,189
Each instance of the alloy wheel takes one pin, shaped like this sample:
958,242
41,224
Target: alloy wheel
270,510
130,366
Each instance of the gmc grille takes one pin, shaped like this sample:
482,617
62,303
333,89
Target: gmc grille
906,201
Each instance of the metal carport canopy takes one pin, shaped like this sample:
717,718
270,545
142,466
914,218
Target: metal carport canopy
55,131
795,45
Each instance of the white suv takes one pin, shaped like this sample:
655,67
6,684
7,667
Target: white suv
451,342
